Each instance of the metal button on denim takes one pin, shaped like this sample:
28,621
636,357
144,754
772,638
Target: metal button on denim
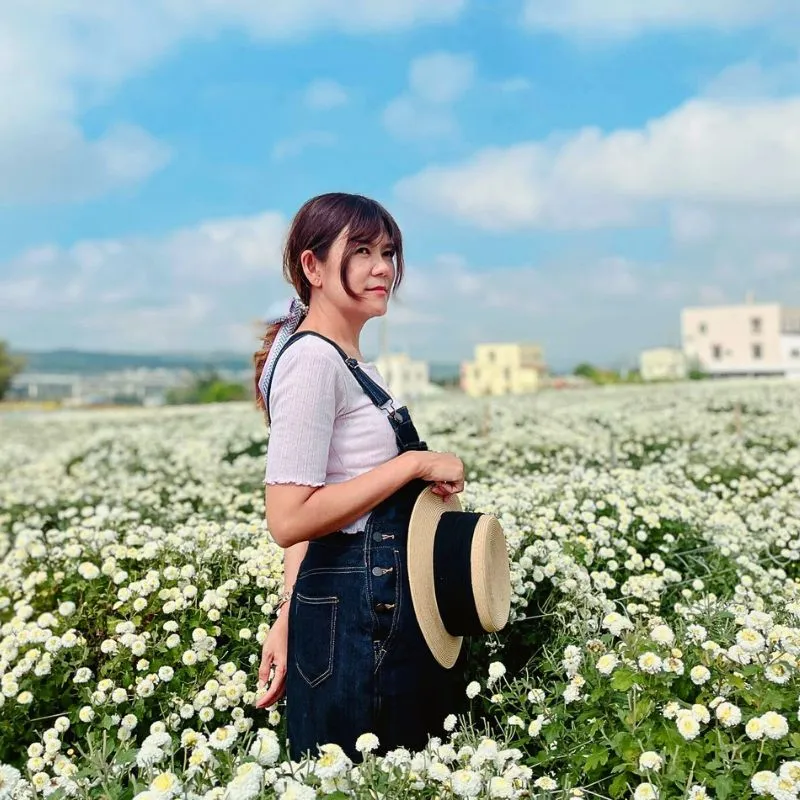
377,536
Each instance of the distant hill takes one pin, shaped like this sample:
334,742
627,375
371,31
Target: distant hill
84,362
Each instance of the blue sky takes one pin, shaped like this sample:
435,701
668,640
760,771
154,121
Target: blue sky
566,172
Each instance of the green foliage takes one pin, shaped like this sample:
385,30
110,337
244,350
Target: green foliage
10,366
208,387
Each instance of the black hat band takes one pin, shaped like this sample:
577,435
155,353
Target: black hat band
452,573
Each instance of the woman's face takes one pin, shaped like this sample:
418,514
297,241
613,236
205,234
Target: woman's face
370,275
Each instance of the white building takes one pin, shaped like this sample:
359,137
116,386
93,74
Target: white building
748,339
662,364
407,379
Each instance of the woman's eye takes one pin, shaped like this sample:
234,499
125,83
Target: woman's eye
363,251
388,254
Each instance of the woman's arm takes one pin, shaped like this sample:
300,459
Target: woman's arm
299,513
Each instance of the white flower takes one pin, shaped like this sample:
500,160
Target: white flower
501,787
777,672
496,670
663,635
646,791
166,784
699,675
750,640
332,763
9,778
687,725
728,714
649,662
473,689
222,738
754,729
763,782
546,783
367,743
615,623
697,792
650,760
774,725
607,663
466,783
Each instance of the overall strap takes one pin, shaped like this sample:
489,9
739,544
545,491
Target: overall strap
375,392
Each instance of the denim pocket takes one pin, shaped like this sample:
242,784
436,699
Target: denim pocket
315,621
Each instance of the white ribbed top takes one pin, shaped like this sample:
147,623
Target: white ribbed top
323,427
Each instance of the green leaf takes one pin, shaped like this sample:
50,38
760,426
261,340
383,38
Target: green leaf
618,785
622,680
723,786
597,758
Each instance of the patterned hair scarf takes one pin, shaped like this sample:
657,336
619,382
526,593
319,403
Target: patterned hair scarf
288,320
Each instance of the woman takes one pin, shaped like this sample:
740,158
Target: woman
343,470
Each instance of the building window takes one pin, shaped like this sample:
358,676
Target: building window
716,352
756,351
755,324
702,327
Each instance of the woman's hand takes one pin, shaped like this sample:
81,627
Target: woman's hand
273,654
444,470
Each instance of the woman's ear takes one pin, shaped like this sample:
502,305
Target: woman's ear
312,268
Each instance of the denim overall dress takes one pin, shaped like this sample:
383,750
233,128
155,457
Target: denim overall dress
357,660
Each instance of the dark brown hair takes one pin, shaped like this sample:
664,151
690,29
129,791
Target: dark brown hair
315,227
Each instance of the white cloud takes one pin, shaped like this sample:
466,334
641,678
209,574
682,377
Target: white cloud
436,82
182,290
753,79
625,18
743,154
57,60
324,94
297,144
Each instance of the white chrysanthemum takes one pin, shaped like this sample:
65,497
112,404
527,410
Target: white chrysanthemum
662,634
701,713
546,783
697,792
607,663
650,760
687,725
763,782
774,725
473,689
450,722
501,787
9,779
750,640
496,670
615,623
646,791
222,738
367,743
166,784
699,675
777,672
466,783
332,763
754,729
650,663
728,714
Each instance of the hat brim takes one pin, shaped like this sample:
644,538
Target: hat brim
489,567
425,516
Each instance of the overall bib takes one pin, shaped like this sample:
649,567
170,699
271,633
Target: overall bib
357,660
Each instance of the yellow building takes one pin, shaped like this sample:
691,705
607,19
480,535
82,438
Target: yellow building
506,368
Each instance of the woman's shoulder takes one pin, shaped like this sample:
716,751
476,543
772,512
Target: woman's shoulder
309,357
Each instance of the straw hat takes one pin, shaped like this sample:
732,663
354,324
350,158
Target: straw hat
459,574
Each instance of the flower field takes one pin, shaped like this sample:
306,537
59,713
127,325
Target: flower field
655,637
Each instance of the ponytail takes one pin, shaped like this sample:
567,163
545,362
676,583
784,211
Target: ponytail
260,359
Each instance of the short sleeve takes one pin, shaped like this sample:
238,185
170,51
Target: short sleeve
305,394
